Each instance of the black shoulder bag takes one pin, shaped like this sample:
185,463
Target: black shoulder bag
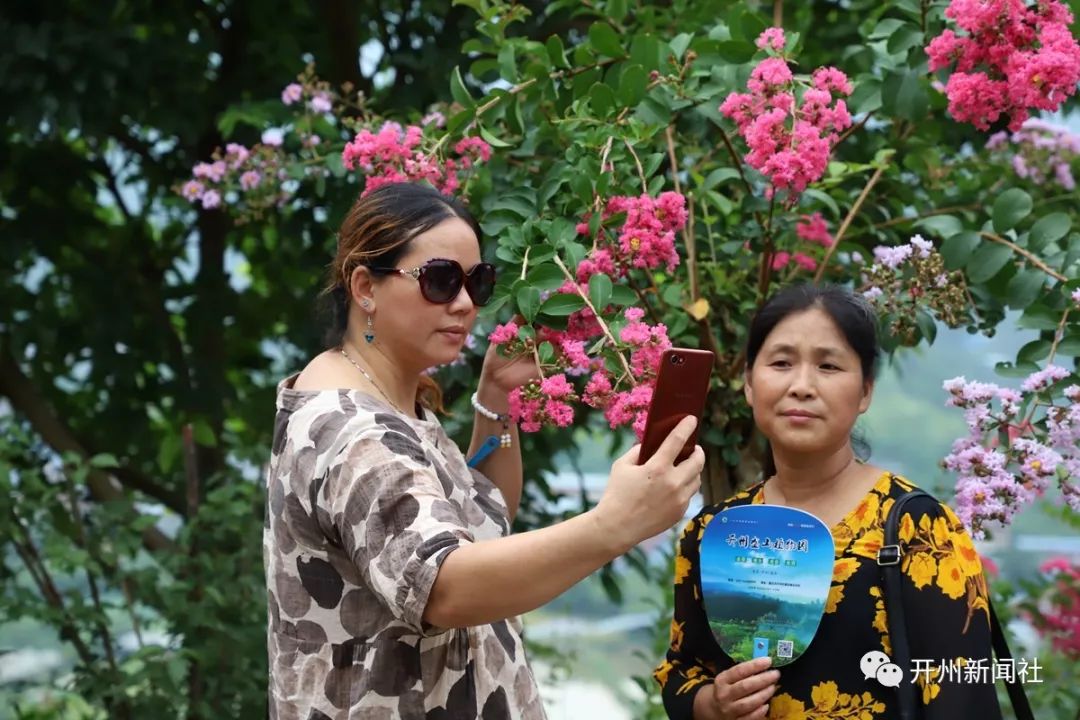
888,558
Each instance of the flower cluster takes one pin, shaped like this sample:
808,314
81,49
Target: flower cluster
252,180
1005,462
813,230
623,397
646,239
1014,58
790,138
393,154
543,402
1039,152
1056,614
905,278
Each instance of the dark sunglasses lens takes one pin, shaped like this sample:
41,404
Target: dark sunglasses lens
440,281
481,283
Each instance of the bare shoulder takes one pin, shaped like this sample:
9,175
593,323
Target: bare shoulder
325,371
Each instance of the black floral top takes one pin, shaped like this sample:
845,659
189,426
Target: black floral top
944,601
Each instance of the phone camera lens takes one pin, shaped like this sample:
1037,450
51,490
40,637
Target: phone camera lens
676,360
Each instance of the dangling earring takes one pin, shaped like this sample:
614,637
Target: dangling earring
370,334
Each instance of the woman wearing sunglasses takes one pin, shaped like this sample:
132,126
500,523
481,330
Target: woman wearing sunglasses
394,583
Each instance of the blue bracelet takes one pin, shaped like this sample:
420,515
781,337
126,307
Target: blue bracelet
478,457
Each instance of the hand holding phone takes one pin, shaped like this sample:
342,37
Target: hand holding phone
681,387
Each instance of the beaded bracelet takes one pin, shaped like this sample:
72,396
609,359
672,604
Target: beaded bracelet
504,418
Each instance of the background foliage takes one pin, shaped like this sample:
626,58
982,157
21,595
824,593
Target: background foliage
141,336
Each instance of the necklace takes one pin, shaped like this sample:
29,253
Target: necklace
371,380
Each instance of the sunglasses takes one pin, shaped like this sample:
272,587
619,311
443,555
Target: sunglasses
441,280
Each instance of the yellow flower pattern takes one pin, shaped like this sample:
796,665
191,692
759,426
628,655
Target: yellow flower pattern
942,571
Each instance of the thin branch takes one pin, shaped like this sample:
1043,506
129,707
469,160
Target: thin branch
923,216
539,365
83,541
735,159
778,13
672,159
1032,258
847,222
532,81
640,169
691,250
1059,335
47,587
114,188
20,391
603,325
855,128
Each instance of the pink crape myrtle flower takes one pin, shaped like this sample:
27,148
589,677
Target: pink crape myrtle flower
1013,58
789,142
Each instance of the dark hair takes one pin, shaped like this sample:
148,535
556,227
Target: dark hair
377,231
853,316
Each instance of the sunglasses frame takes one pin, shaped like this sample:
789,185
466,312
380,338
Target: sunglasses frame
417,272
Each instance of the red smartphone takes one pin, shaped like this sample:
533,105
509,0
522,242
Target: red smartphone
681,386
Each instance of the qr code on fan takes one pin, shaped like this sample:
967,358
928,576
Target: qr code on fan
785,648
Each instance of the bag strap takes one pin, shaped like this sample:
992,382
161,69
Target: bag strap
889,557
1001,650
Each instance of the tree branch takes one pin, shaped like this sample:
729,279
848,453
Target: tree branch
23,396
603,325
847,222
1031,257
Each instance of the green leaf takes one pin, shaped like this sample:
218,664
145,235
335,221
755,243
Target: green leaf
926,325
546,351
1010,208
653,112
515,204
616,9
1024,287
903,95
507,63
1039,317
987,262
679,44
1017,370
528,302
547,276
1033,351
458,90
623,295
601,99
735,51
957,249
904,38
718,176
562,304
605,40
1069,347
823,198
632,85
557,52
885,28
1048,229
600,286
943,226
104,460
866,97
492,140
574,253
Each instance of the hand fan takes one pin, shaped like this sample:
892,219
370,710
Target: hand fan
765,576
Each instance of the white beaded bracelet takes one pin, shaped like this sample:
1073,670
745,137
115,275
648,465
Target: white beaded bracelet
505,439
